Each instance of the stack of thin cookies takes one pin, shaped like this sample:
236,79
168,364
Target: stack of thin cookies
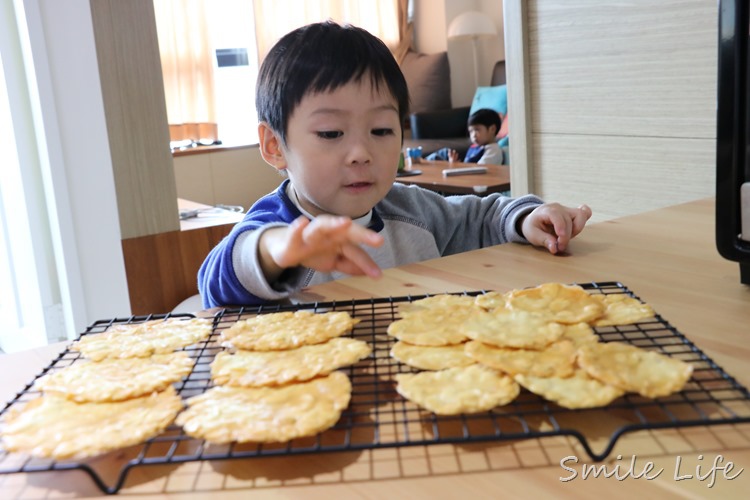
280,383
121,394
477,350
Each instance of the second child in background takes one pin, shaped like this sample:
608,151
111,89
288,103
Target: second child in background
483,126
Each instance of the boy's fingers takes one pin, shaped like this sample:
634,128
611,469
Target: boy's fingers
324,228
296,229
361,235
563,228
539,237
335,230
558,228
360,261
580,217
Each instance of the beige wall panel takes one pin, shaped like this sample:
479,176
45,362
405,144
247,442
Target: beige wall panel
639,68
135,110
194,180
619,176
241,177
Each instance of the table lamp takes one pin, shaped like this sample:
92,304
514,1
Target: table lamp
472,25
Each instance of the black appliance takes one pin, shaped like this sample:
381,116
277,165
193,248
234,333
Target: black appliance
733,136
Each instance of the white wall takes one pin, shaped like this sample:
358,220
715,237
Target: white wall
430,27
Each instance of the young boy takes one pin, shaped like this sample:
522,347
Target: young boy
483,125
331,101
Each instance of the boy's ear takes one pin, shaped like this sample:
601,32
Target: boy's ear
270,147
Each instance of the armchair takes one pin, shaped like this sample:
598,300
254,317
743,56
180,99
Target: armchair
435,129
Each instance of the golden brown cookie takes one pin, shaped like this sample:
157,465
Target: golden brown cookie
55,427
436,302
513,328
469,389
634,369
287,330
566,304
491,300
621,309
428,327
555,360
267,414
143,339
431,357
116,379
577,391
269,368
579,333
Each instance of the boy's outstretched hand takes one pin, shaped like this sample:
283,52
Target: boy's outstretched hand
553,225
327,243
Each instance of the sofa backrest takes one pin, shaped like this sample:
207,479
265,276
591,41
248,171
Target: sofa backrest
428,77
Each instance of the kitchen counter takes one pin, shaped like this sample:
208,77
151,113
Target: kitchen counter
679,273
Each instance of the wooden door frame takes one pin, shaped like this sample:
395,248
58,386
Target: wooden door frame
515,13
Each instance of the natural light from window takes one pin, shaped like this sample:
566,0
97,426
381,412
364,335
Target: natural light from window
231,26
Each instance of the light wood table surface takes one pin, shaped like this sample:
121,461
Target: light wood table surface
496,180
206,215
667,257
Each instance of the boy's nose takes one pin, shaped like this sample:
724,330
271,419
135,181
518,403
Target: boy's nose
359,153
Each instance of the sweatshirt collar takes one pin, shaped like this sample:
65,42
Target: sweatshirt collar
286,192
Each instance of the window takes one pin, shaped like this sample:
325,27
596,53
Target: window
31,312
232,31
210,56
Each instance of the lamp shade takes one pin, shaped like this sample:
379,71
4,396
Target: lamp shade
471,24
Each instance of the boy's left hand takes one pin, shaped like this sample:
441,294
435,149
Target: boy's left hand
553,225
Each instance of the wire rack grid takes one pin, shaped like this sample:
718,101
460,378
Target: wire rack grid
378,417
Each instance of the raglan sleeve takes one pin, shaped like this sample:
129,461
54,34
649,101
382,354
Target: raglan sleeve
232,275
463,223
493,155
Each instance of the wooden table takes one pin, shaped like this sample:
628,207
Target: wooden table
679,273
496,180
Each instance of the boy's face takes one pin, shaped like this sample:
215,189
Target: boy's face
482,135
342,149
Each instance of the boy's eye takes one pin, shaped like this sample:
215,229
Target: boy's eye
330,134
382,131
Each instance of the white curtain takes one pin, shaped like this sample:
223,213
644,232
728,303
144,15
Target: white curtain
386,19
187,59
187,52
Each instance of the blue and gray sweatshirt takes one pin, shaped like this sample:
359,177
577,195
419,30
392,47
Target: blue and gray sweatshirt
417,224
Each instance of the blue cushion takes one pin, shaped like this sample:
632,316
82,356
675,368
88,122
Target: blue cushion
495,98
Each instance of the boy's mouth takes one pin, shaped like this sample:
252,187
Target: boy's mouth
357,187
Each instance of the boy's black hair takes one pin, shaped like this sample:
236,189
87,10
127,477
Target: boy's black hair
322,57
486,117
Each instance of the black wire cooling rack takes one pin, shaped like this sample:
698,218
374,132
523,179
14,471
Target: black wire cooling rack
378,417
